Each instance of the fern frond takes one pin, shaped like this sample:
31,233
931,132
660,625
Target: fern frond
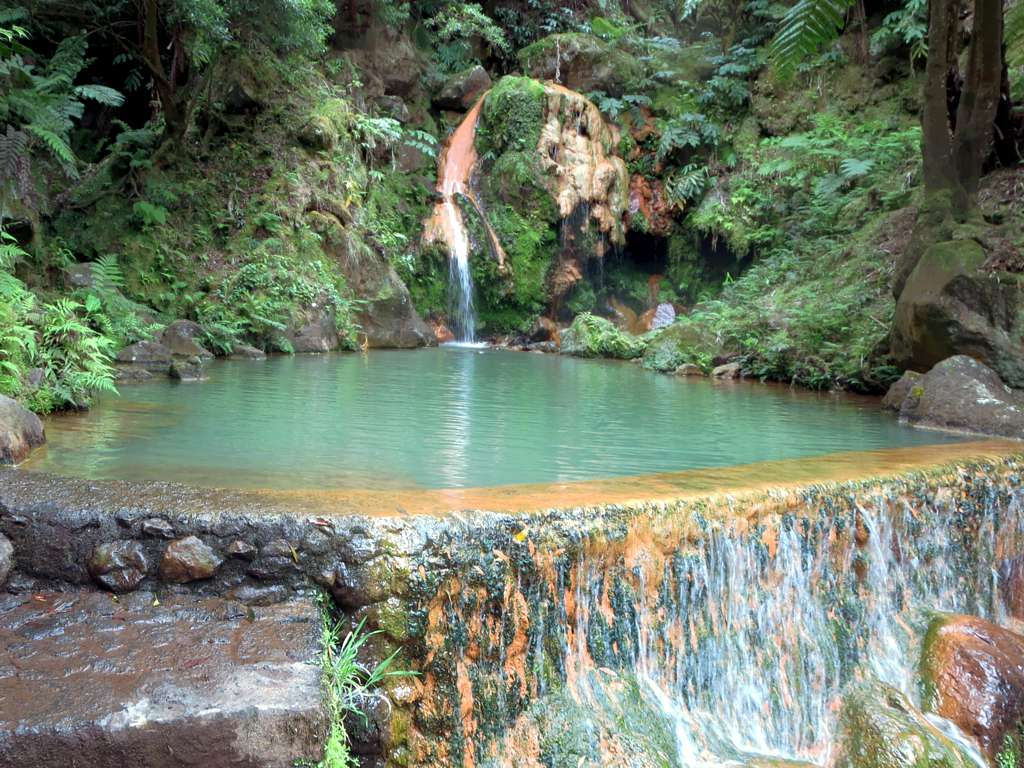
805,28
57,146
101,94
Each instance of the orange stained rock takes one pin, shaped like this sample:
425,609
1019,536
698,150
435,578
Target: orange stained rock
455,169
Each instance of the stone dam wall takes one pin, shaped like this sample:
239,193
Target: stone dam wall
495,612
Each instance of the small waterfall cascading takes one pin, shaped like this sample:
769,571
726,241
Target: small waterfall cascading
455,167
744,641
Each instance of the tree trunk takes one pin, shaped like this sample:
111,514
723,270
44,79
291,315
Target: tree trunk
166,89
979,100
937,149
1008,148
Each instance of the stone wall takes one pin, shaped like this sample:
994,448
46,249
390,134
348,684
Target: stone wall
482,606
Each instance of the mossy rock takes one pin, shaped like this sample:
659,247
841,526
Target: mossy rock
326,125
512,117
592,336
880,728
951,305
566,733
584,62
679,343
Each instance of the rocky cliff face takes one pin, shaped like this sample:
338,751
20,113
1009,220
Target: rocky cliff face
546,193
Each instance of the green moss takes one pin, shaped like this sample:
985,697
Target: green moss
880,728
512,117
682,342
592,336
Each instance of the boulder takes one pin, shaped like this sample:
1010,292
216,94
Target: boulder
79,275
898,392
21,431
393,107
314,330
387,316
544,329
673,346
727,371
582,63
689,369
6,558
190,369
962,394
149,355
120,566
184,681
181,338
592,336
952,305
462,90
189,559
247,352
973,675
880,728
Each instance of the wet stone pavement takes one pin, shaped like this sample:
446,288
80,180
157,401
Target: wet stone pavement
172,682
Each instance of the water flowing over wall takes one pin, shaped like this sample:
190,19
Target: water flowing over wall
693,634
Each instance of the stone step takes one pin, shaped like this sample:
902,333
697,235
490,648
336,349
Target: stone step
87,679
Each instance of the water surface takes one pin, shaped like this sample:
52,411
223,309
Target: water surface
450,418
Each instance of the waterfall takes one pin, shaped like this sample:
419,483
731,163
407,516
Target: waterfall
744,643
741,636
460,281
455,168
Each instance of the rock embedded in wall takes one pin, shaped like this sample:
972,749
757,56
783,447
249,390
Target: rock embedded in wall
6,558
120,566
189,559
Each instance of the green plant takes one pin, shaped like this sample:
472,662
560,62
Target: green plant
39,105
347,681
805,28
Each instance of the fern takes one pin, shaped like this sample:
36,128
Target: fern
805,28
58,147
101,94
107,274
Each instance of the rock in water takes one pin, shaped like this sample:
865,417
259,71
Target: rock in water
952,305
181,338
673,346
149,355
880,728
120,566
316,330
189,559
20,431
85,681
592,336
959,393
727,371
247,352
190,369
973,674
